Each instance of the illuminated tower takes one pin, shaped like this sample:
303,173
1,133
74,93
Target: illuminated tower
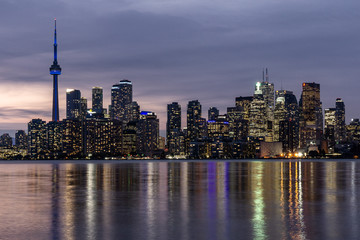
193,120
97,99
55,70
121,97
311,118
73,104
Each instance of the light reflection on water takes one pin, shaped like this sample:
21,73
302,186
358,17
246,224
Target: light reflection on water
180,200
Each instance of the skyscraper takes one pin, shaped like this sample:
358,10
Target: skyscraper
258,114
173,127
286,120
262,110
148,133
97,99
133,111
330,126
213,113
5,140
340,130
36,137
72,137
83,103
311,118
121,97
244,104
173,118
55,70
193,120
21,139
73,104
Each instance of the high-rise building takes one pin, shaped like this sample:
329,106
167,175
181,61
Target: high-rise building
173,125
73,104
53,139
121,97
129,139
311,117
97,100
36,137
21,139
96,137
330,126
244,104
238,127
353,130
262,110
267,90
133,111
6,140
258,124
55,70
72,137
148,133
218,129
213,113
193,120
340,130
83,107
286,120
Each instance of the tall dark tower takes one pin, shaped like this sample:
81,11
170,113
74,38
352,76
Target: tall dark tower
55,70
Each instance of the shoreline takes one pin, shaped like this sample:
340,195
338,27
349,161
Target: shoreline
85,161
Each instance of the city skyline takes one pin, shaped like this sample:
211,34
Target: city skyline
181,58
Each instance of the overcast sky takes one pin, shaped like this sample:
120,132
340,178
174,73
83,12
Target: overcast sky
179,50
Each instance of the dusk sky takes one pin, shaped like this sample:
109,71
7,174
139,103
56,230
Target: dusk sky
184,50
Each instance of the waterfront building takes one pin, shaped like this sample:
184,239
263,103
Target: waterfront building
340,129
311,118
353,131
176,144
258,123
72,130
96,137
6,141
173,127
53,139
238,127
83,108
121,97
21,139
148,133
73,104
218,129
129,139
36,137
97,100
330,126
102,137
193,120
261,110
133,111
286,120
244,104
55,71
203,129
213,113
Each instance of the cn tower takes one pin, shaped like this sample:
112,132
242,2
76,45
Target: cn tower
55,70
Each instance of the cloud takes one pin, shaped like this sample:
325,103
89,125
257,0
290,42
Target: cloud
178,50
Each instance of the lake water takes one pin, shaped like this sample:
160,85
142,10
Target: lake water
180,200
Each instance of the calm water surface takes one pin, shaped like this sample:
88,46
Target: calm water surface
180,200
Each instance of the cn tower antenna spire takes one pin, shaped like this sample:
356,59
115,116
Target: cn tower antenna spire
55,70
